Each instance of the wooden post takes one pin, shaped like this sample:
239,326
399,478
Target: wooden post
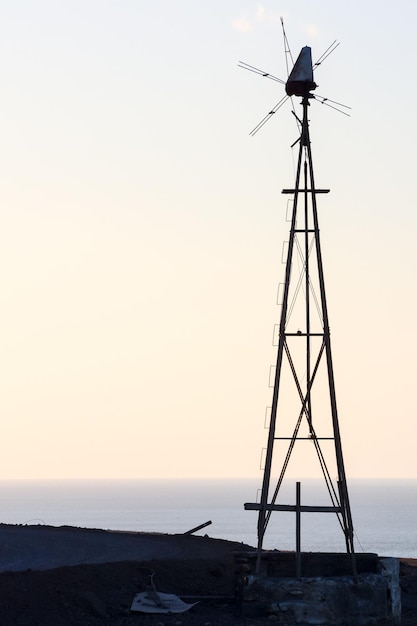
298,530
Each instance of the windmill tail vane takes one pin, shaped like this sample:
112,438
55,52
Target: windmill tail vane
300,81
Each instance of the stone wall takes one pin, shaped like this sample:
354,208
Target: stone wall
338,600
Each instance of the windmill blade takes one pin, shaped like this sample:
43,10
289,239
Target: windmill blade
345,106
287,49
250,68
326,53
288,54
326,101
268,116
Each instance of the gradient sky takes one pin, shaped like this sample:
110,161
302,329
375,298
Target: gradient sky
141,232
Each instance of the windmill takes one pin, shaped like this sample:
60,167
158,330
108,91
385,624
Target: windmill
302,414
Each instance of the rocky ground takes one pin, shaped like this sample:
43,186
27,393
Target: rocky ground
93,594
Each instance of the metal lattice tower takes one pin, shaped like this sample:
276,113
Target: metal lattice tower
304,366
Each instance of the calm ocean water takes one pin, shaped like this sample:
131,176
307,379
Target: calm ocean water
384,512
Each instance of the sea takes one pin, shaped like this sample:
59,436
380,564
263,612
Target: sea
384,512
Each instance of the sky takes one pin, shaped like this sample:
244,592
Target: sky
142,228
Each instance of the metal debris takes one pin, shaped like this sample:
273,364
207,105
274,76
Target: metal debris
156,602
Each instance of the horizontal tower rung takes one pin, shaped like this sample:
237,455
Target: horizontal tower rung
256,506
305,190
300,334
304,438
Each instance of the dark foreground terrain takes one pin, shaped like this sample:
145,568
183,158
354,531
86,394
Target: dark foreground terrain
97,593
